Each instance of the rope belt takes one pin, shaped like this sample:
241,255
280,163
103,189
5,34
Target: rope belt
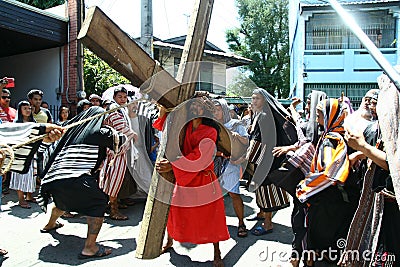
8,151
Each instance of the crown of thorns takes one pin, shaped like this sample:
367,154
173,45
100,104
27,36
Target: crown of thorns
204,100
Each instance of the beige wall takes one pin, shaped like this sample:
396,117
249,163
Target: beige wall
219,69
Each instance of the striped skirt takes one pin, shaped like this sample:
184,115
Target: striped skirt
271,198
23,182
111,177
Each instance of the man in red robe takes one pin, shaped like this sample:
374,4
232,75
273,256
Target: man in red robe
197,212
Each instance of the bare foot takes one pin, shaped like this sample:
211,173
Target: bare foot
295,262
268,226
169,244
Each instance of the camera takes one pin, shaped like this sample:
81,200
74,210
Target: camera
8,81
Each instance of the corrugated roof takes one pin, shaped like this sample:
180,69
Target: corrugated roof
344,2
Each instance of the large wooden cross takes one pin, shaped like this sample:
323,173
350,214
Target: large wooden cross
101,35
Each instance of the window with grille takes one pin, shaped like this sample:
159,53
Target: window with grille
354,91
327,31
205,82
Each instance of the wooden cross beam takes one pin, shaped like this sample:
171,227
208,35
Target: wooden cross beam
104,38
115,47
155,216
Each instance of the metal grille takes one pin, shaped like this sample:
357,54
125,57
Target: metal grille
354,91
327,31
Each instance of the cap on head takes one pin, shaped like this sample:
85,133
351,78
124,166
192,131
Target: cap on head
373,93
94,96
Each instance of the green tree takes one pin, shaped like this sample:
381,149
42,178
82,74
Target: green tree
263,37
241,85
98,75
43,4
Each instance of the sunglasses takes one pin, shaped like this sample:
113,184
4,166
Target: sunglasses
6,97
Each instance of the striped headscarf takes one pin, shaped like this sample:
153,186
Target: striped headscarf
225,109
334,112
330,164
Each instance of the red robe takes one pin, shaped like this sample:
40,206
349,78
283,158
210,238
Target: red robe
197,213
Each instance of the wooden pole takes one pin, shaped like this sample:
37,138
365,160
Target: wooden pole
151,236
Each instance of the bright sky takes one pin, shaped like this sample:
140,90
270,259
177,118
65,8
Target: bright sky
170,17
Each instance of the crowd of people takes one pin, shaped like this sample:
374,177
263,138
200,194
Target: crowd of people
325,160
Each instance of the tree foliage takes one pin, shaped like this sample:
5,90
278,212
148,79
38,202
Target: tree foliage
98,75
263,37
43,4
240,85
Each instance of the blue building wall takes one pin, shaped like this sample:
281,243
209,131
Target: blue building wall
349,69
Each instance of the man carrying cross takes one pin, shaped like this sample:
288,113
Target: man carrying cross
197,213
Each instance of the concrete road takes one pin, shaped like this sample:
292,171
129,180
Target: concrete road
20,235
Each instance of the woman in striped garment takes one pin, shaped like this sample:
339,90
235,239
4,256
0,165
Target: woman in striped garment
24,183
330,192
265,133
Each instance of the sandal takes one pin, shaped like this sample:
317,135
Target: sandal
58,225
102,252
259,230
256,218
67,215
242,231
24,205
115,214
3,252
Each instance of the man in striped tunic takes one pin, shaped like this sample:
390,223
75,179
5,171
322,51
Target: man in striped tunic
72,173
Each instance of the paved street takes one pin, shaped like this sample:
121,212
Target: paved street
20,235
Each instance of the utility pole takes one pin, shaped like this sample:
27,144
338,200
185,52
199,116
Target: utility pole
146,33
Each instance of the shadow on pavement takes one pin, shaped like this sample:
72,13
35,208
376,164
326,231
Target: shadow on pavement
70,246
2,259
184,260
280,235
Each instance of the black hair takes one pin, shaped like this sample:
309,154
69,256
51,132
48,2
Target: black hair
81,104
212,123
34,92
4,90
44,102
120,89
20,117
60,110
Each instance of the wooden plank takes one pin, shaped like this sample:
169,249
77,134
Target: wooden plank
155,216
193,50
102,36
157,206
